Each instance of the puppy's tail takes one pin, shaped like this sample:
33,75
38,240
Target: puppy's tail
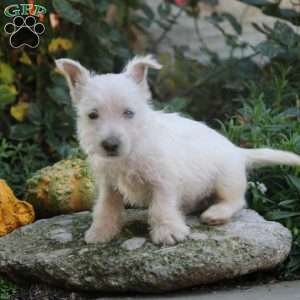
265,157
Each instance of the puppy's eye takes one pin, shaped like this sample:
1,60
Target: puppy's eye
93,115
128,114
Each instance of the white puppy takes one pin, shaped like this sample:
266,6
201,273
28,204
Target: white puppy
151,158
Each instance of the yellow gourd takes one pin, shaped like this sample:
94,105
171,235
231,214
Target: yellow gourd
66,187
13,212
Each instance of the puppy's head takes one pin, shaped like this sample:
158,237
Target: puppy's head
111,108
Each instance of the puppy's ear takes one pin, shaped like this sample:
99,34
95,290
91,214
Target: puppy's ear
137,68
75,74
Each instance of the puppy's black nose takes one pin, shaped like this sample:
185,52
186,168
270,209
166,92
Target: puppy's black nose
111,145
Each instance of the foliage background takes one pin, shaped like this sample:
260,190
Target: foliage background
37,120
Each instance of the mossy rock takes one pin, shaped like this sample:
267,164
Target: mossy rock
65,187
53,252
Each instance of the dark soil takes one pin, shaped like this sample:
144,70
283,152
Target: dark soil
44,292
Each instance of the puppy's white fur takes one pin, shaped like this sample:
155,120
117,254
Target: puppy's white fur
165,161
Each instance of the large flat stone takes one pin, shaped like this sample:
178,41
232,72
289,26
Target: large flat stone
53,251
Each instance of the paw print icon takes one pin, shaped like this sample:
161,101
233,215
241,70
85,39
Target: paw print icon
24,32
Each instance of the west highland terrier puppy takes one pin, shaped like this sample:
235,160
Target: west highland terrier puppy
150,158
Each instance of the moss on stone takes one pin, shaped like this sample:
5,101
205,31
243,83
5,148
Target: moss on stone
227,252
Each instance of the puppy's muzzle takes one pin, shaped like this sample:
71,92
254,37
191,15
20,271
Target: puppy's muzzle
111,146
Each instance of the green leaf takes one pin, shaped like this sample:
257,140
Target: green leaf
7,73
295,181
269,49
7,95
289,204
35,114
66,11
22,132
280,214
297,144
59,94
142,21
233,22
285,34
164,9
88,3
147,11
52,140
291,112
102,6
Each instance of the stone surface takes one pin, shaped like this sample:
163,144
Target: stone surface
133,243
53,251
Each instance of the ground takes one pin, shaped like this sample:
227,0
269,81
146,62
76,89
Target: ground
261,286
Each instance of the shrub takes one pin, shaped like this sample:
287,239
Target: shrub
264,122
269,116
19,161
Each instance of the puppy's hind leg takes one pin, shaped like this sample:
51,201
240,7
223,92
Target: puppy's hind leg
231,195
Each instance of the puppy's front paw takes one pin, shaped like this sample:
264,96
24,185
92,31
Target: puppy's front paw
98,235
169,234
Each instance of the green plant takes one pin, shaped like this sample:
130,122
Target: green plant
273,192
269,116
7,289
18,162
